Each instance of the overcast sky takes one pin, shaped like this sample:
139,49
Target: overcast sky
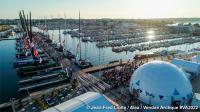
101,8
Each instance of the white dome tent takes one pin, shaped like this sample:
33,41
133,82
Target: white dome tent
196,59
161,83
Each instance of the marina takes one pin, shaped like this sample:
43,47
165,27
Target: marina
74,63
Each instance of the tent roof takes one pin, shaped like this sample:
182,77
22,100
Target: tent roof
161,78
187,66
84,103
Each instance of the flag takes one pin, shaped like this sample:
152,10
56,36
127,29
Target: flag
63,42
41,60
35,52
32,44
26,43
13,33
26,46
78,47
33,39
26,53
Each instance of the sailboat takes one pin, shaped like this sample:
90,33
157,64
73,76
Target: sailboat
60,47
67,53
65,32
82,63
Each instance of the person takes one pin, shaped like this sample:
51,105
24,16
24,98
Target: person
70,69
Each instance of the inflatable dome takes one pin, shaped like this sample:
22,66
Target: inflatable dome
161,83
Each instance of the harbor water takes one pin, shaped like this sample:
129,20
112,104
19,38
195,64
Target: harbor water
8,77
105,55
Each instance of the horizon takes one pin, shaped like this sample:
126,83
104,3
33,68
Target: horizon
96,9
105,18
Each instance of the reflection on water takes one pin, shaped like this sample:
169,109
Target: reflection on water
89,50
8,77
150,35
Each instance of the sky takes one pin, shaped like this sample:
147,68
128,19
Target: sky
93,9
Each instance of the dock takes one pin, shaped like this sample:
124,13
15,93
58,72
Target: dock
47,69
34,95
112,65
91,83
39,85
8,39
103,67
37,78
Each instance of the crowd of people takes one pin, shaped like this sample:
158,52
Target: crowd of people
118,76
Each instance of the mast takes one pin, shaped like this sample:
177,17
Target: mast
45,22
65,22
59,33
47,29
28,29
79,31
85,42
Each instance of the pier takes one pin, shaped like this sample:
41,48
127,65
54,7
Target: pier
39,85
34,95
103,67
112,65
37,78
38,71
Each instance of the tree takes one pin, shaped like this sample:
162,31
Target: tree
196,25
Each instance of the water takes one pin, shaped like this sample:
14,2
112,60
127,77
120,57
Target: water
89,50
8,77
104,55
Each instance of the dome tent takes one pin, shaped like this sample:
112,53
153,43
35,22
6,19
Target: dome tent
161,83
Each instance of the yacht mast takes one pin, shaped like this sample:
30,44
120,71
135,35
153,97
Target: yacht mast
65,22
79,31
59,32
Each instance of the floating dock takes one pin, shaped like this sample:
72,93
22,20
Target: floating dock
40,85
35,78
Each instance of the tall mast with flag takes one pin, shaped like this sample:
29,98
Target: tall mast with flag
28,29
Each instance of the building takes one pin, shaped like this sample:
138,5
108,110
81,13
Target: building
190,67
88,102
161,83
196,59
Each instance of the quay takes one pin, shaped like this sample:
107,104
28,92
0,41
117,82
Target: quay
120,63
33,95
103,67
